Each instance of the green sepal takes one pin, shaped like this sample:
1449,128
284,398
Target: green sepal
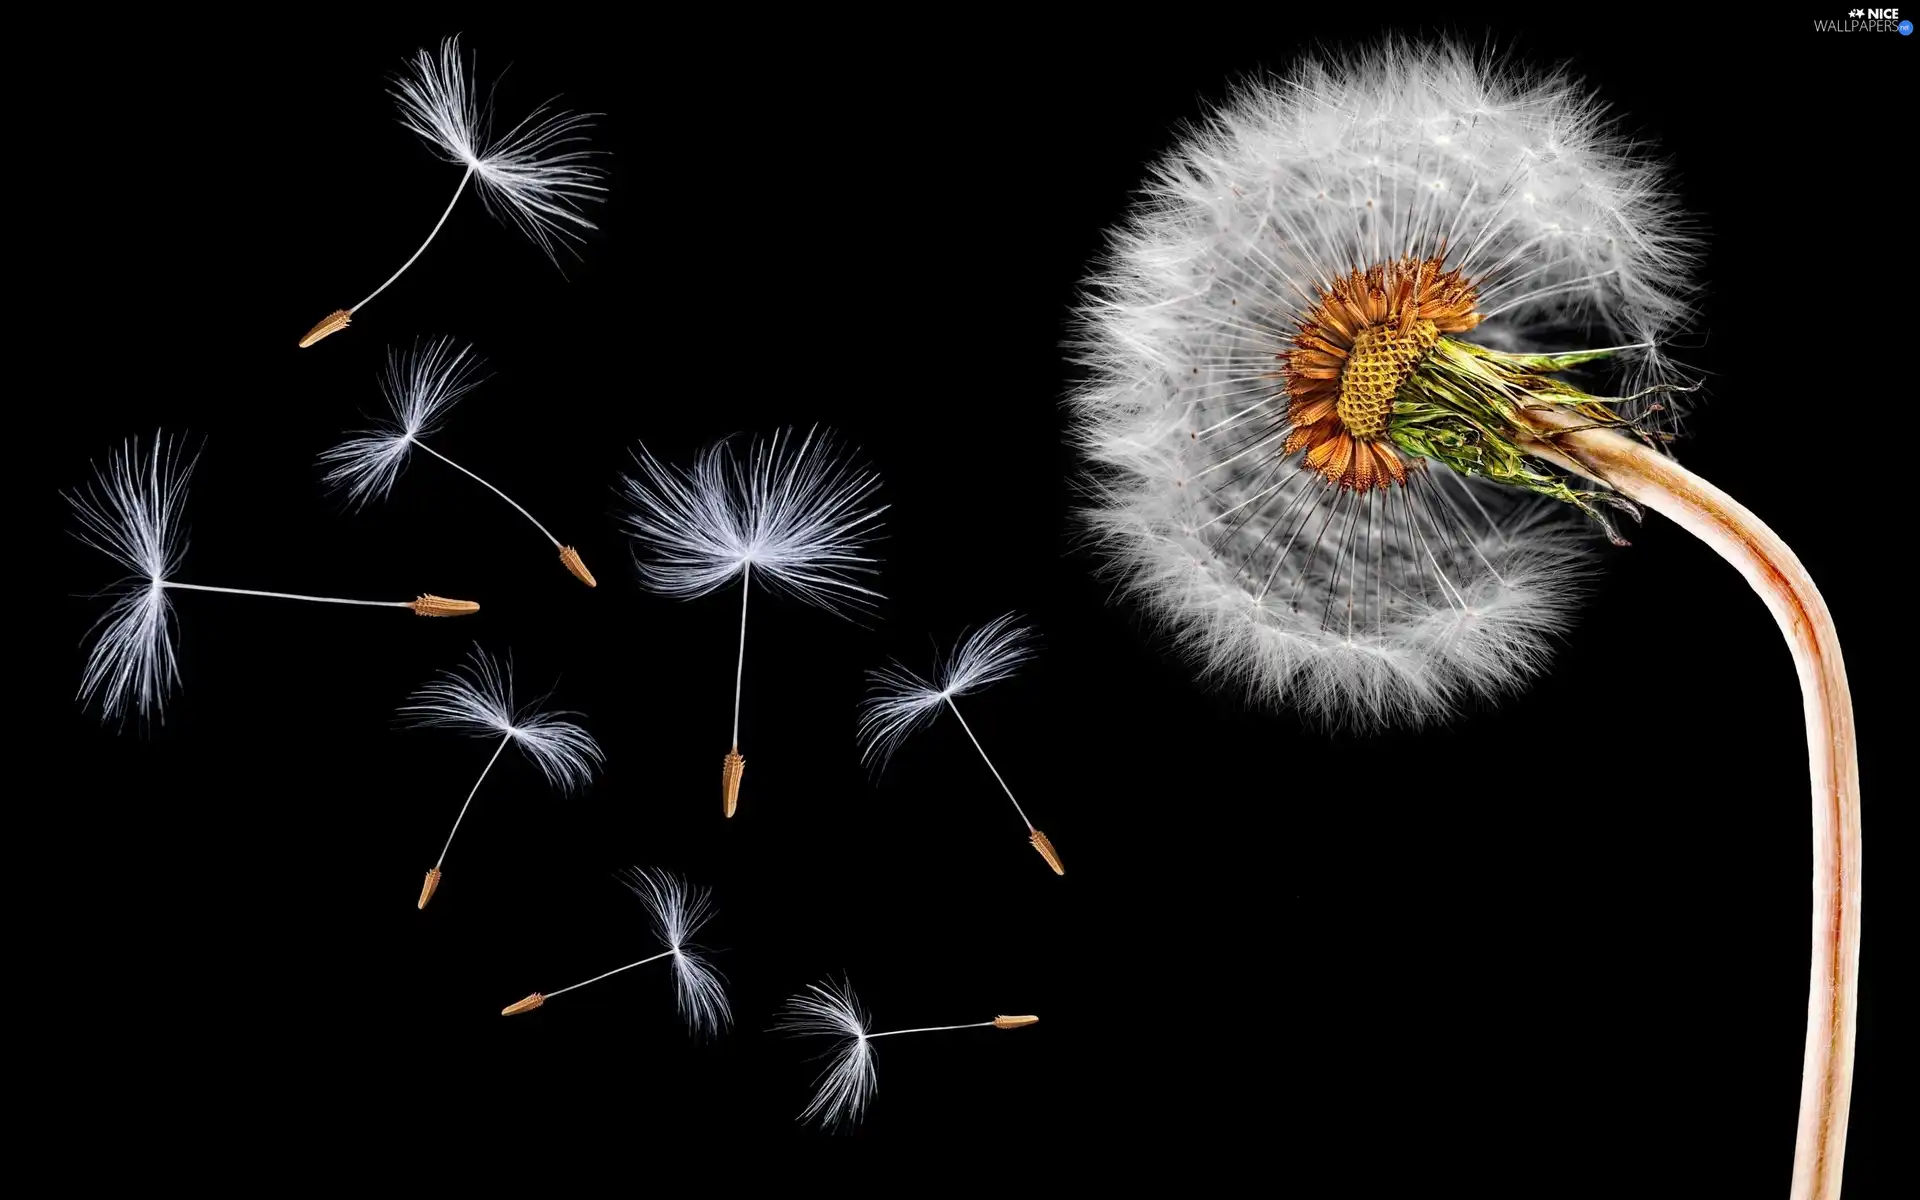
1467,406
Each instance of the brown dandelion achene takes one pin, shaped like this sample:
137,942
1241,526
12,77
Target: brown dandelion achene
1351,354
570,559
332,323
1045,847
430,605
732,767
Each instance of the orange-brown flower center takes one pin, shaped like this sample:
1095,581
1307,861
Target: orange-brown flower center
1367,334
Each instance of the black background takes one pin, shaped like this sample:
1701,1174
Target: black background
1559,944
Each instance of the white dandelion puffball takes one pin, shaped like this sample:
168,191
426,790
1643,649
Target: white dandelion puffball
844,1088
798,515
901,702
420,386
477,699
133,512
1316,350
531,175
679,910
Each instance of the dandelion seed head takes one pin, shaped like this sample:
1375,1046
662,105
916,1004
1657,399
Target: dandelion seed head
533,175
477,699
132,512
1265,488
679,910
831,1010
798,515
420,385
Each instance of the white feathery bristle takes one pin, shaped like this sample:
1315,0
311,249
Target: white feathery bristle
1399,603
477,699
901,702
797,515
526,175
420,385
679,910
131,512
844,1088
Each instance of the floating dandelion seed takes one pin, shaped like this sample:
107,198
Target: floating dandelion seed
420,387
1330,358
832,1010
132,512
477,700
902,702
679,910
526,176
795,515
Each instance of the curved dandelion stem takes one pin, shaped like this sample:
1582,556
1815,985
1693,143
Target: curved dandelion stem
201,587
990,767
469,801
1773,570
930,1029
457,192
597,978
740,662
483,483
